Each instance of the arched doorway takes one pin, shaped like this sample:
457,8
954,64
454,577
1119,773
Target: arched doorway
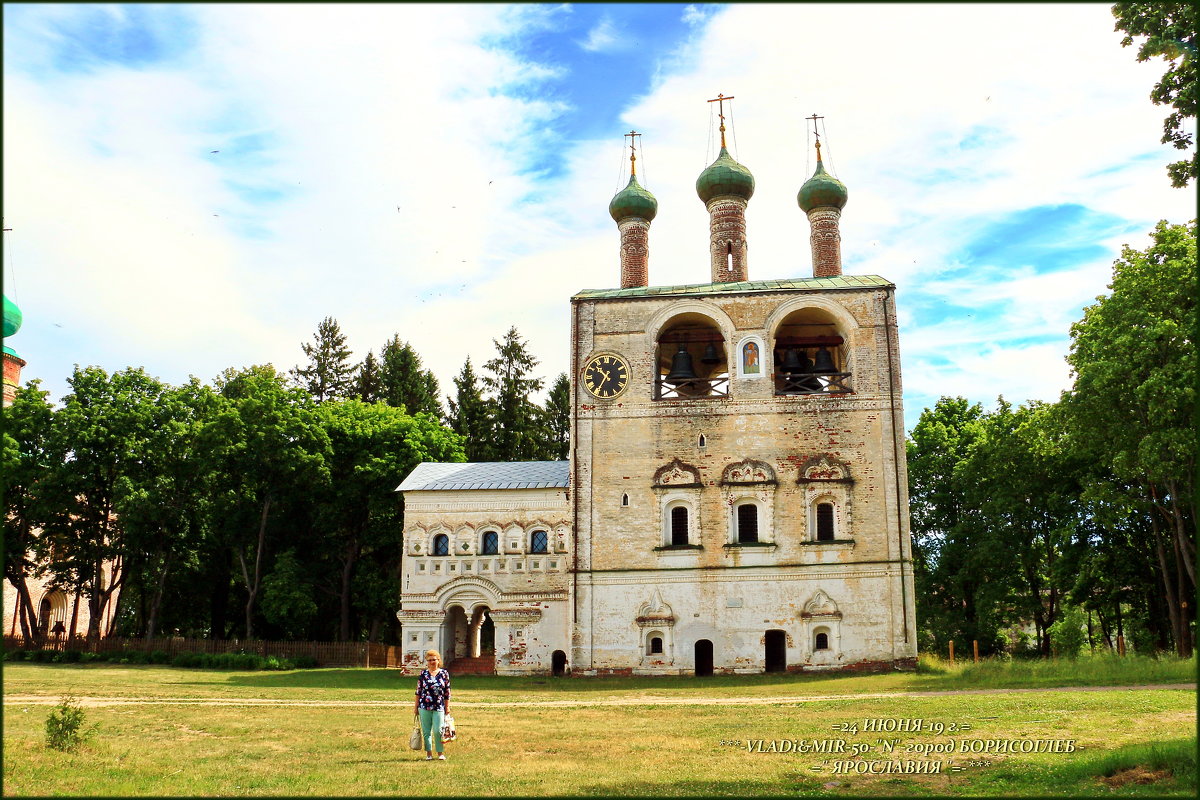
455,634
483,633
558,663
776,651
704,658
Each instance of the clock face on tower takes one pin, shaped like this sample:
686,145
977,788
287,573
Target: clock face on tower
606,376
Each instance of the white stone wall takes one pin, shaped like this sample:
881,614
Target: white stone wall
526,594
730,594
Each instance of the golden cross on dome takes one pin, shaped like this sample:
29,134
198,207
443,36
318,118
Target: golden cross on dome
816,134
632,152
720,100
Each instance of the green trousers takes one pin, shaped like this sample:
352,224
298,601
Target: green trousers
431,727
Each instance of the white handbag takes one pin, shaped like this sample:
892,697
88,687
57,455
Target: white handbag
415,739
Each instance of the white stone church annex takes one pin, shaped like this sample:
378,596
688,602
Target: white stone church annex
736,494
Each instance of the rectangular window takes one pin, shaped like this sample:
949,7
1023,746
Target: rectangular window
824,522
747,522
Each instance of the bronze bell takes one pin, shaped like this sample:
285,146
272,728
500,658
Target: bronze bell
711,356
791,361
806,364
681,366
824,365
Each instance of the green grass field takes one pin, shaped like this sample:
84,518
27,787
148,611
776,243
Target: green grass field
168,731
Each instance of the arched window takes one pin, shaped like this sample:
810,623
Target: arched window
491,543
441,545
747,522
825,522
656,645
625,499
821,641
539,542
679,525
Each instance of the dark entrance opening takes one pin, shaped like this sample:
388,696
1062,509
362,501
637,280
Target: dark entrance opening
704,658
776,656
487,635
558,663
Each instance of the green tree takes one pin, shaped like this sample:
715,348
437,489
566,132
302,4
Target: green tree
367,381
372,446
470,416
1021,486
403,383
329,373
557,420
106,428
267,449
287,600
163,505
1170,31
945,583
1132,405
508,377
30,458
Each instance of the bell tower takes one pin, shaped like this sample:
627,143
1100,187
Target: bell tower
737,465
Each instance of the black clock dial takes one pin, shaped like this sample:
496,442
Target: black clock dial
606,376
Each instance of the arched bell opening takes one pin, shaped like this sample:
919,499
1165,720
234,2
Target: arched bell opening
693,360
810,354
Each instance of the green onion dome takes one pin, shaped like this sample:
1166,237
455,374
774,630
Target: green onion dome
633,201
725,176
12,318
822,190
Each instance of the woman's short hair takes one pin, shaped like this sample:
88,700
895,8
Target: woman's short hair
435,654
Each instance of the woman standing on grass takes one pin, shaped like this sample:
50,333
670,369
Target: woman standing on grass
433,703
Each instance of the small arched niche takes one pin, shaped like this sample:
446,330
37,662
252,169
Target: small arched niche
693,359
811,356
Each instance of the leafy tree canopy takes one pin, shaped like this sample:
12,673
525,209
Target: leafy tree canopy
1170,31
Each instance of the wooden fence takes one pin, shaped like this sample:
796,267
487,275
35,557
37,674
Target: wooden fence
326,654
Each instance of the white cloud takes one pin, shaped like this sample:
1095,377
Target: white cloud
602,37
366,108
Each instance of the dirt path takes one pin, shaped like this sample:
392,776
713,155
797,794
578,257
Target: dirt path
638,700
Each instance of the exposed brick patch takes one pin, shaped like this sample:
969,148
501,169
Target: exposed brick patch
727,238
635,252
826,242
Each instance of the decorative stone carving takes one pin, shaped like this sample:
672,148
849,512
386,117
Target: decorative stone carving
824,468
821,606
676,475
655,613
748,471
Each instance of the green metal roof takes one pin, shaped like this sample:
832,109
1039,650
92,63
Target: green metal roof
838,282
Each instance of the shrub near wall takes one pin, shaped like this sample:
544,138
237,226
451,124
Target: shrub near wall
242,661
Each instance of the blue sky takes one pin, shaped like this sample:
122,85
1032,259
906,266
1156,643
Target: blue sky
193,187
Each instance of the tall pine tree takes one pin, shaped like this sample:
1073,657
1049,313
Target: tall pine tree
367,381
402,381
470,417
329,374
517,418
556,420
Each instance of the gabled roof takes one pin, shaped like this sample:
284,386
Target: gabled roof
836,282
431,476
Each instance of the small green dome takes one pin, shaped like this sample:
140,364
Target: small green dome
725,176
12,318
822,190
633,201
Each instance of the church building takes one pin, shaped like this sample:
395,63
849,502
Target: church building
736,494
